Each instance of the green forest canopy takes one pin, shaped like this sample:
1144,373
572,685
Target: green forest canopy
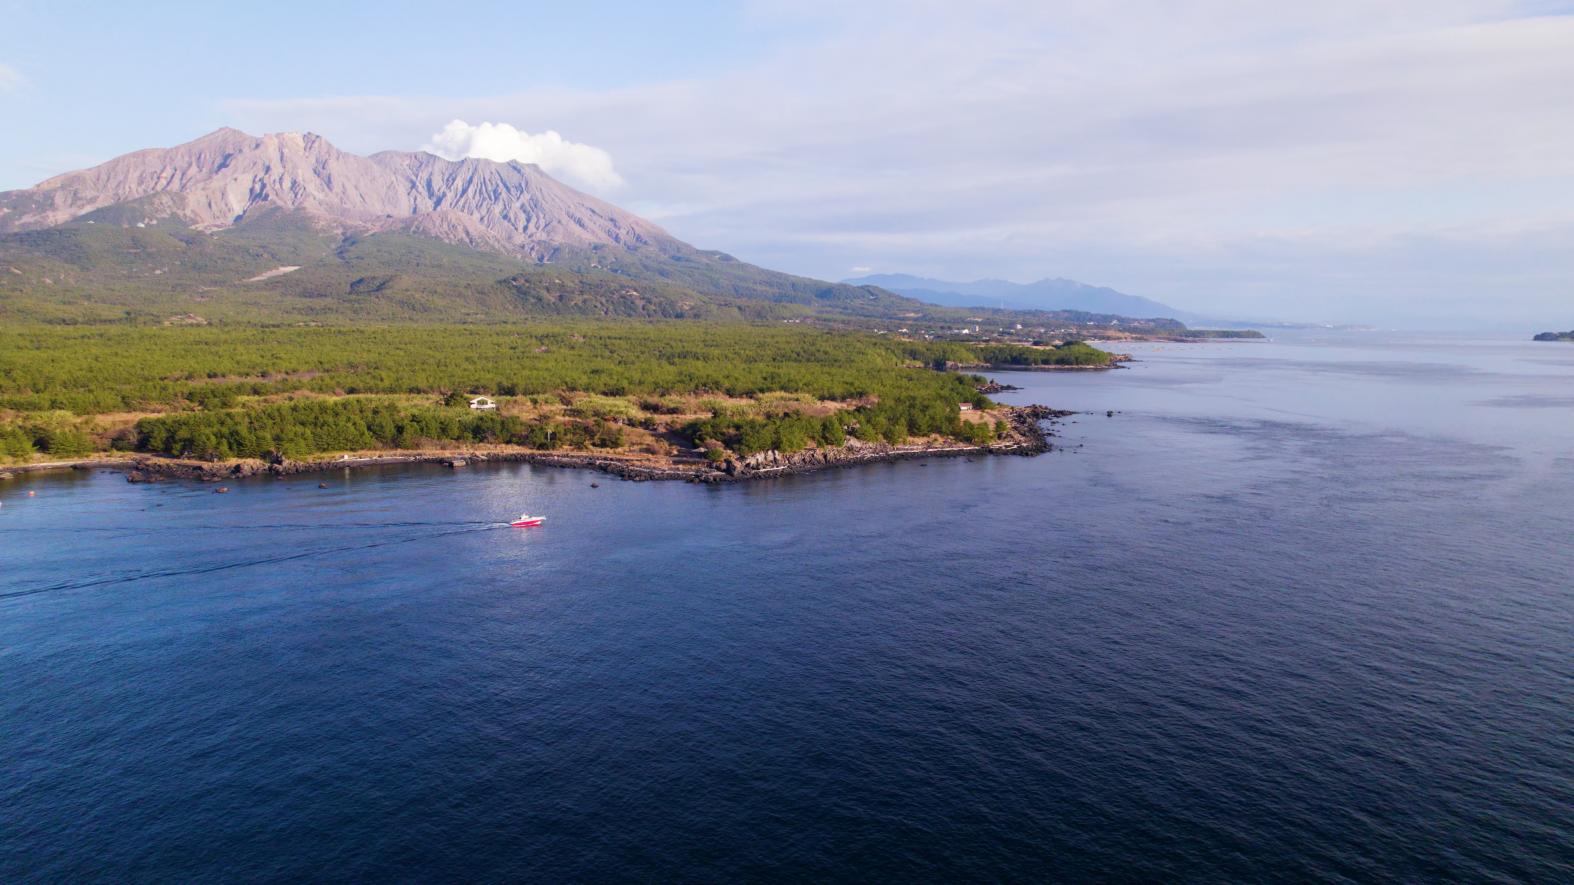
48,374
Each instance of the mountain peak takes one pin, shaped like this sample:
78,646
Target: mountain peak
224,137
223,178
223,132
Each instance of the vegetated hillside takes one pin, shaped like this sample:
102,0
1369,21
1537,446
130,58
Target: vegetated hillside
1555,336
281,267
115,368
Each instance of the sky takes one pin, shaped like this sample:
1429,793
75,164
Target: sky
1406,163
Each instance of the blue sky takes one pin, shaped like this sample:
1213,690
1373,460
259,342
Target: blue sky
1404,163
100,79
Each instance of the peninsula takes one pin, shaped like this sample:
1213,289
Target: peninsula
1555,336
642,399
247,303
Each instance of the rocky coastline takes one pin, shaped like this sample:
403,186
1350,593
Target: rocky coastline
1026,435
1116,363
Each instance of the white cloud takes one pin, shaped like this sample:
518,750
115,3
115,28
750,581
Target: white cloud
579,164
10,78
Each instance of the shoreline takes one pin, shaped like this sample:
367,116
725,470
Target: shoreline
1025,438
1117,361
1114,364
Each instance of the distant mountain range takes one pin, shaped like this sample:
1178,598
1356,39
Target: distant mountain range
1048,294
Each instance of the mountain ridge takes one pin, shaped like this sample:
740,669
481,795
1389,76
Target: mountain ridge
227,175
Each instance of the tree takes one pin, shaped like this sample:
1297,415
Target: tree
15,443
202,444
791,436
832,433
296,442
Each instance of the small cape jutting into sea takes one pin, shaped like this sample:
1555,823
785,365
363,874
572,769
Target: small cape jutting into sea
1030,432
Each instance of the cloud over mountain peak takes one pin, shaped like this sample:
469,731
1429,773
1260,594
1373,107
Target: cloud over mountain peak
580,164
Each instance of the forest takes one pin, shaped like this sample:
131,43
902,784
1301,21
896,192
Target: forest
289,391
1072,353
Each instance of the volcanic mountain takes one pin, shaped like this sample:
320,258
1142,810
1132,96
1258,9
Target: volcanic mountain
228,177
287,226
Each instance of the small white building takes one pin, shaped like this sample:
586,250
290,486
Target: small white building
965,407
482,404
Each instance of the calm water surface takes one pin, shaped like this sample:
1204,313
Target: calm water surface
1300,609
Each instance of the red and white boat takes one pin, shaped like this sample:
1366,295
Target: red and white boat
526,521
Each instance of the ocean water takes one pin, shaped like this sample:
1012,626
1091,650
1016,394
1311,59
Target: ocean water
1300,609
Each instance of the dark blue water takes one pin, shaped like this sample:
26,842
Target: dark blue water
1302,609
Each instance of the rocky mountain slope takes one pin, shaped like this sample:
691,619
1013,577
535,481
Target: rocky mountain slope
227,177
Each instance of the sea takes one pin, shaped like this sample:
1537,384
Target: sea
1291,610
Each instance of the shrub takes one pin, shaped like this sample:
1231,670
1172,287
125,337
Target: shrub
15,442
63,441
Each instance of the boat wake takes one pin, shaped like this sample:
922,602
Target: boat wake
223,527
107,581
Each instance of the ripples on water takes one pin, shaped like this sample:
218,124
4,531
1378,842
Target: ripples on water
1284,616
